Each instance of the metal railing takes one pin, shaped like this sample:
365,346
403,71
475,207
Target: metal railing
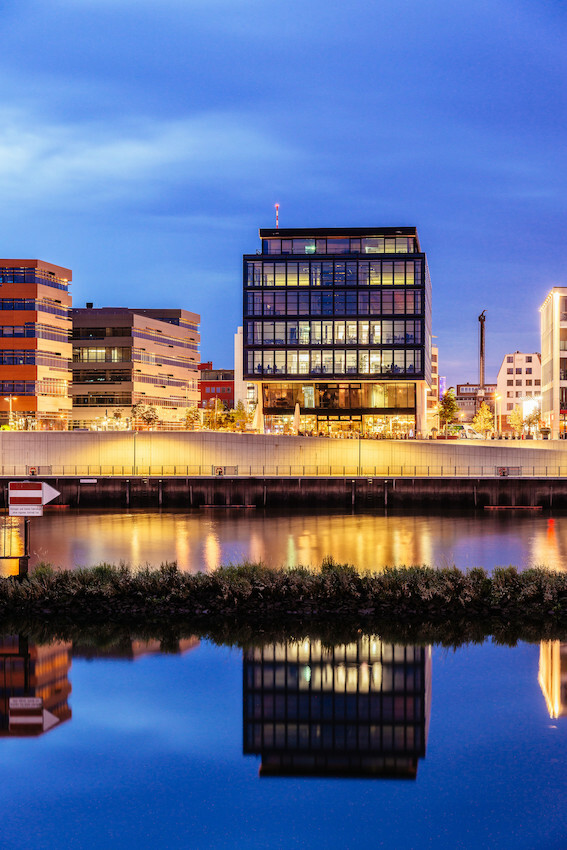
279,470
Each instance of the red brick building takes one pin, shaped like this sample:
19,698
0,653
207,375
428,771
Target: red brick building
215,383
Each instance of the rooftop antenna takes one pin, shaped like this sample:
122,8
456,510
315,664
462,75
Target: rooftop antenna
277,216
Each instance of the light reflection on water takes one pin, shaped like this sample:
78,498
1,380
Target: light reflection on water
203,540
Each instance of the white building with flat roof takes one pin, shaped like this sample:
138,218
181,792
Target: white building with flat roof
553,314
519,380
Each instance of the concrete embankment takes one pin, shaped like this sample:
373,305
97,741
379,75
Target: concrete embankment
192,469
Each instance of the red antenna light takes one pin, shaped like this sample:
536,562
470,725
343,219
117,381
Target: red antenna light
277,216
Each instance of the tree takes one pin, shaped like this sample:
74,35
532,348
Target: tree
145,412
532,419
237,418
483,421
192,418
448,408
215,414
516,420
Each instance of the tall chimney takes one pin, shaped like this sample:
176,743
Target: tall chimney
481,319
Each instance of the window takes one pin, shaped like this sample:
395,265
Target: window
509,406
509,383
537,382
509,371
528,358
518,383
518,371
529,371
528,383
509,360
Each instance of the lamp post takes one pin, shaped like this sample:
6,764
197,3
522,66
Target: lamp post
497,400
10,399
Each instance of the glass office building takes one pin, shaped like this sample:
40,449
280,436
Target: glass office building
337,330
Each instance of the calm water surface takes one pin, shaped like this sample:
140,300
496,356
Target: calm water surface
291,746
202,540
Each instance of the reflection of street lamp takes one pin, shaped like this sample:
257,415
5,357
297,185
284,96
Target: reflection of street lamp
10,399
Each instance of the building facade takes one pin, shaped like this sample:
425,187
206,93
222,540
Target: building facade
337,331
469,398
433,396
215,385
35,345
244,391
123,356
518,384
553,314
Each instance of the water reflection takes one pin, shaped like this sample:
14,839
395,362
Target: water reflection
360,709
202,540
553,676
34,686
131,650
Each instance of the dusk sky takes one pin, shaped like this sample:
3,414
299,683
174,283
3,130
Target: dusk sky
143,142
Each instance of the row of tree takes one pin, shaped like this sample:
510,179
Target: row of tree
483,421
214,417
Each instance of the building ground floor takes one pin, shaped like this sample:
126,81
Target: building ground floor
370,409
387,426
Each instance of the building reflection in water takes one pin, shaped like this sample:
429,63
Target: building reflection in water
553,676
131,650
34,686
360,709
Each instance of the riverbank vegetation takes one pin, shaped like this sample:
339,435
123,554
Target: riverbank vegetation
436,605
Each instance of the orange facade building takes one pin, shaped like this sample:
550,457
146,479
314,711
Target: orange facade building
35,345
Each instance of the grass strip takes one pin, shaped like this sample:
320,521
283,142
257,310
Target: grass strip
253,596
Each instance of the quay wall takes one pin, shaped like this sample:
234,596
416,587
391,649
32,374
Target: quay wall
170,454
305,494
121,470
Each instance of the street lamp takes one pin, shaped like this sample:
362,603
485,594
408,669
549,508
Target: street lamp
10,399
498,399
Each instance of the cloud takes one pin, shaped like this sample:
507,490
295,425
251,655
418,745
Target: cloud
44,161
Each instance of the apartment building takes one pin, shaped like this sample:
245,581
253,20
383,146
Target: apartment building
337,331
433,396
35,346
123,356
215,385
518,382
553,314
469,399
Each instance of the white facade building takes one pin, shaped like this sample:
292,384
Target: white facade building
243,391
519,381
553,313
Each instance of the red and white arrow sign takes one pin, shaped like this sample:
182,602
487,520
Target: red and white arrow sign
27,498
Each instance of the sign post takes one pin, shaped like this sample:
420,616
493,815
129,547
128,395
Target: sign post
27,498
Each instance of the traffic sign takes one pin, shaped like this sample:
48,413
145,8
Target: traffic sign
27,498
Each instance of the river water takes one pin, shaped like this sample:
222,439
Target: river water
284,745
205,539
291,745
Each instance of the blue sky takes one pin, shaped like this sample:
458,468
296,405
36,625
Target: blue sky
143,142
